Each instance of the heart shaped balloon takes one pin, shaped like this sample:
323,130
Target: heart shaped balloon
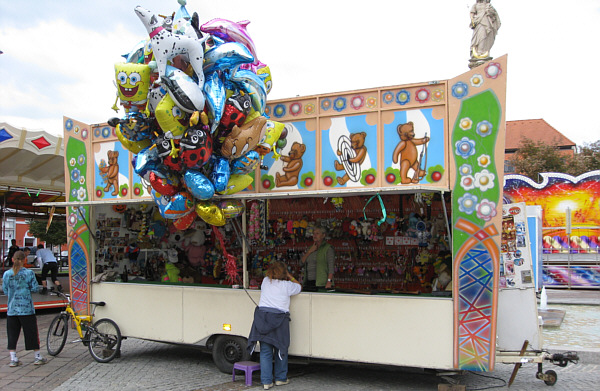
185,222
231,208
166,183
210,213
199,185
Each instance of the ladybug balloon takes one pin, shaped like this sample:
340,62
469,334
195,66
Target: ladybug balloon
236,110
168,151
196,147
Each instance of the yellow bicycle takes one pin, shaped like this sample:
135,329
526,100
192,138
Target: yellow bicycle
103,338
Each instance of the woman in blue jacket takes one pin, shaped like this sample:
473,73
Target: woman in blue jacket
271,326
18,283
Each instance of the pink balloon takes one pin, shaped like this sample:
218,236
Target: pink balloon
231,32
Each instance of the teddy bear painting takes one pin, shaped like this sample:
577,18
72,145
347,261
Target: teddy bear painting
292,168
110,173
406,153
357,143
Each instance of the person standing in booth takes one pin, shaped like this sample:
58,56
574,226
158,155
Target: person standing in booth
11,252
46,258
320,262
18,283
271,325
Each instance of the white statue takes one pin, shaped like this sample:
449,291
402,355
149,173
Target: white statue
485,23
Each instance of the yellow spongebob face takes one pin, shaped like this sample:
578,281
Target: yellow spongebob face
133,81
268,80
170,117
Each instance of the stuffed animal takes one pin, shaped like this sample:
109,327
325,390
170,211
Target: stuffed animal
193,245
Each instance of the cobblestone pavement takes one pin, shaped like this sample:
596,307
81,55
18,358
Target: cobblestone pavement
147,365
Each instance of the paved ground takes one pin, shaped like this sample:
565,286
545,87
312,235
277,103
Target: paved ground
146,365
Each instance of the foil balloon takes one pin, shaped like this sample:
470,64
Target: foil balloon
167,45
245,164
154,97
185,92
237,183
168,152
214,89
171,118
196,147
265,73
136,55
133,84
267,143
220,173
237,108
164,182
244,138
178,205
231,208
231,32
133,146
185,222
134,127
210,213
145,160
254,85
226,56
199,185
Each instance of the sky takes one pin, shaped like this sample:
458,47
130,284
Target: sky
58,56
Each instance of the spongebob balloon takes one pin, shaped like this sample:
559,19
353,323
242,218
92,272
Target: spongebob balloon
172,120
133,84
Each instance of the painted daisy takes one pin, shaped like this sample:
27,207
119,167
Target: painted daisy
467,203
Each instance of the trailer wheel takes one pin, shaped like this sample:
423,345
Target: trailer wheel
227,350
550,377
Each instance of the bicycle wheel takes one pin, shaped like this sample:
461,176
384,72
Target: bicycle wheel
105,340
57,334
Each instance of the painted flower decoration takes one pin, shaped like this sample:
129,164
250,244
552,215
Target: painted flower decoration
460,90
493,70
465,147
279,110
81,160
484,180
484,128
82,180
467,203
325,104
84,133
467,182
75,174
465,169
81,194
295,108
309,108
484,160
268,110
371,102
403,97
97,132
106,132
339,104
69,125
73,194
476,80
437,95
422,95
72,162
76,129
486,209
388,97
465,123
357,102
72,219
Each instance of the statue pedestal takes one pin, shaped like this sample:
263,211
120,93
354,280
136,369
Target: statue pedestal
475,62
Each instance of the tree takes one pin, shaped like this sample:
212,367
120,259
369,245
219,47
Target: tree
535,157
587,158
56,235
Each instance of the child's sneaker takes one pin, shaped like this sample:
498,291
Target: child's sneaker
44,291
15,363
40,361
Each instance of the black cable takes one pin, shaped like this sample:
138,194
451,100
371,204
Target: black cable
488,377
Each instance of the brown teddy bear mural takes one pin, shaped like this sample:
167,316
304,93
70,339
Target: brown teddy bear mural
406,152
293,167
110,173
357,141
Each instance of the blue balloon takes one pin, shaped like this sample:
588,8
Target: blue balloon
246,163
226,56
254,85
214,89
220,173
173,207
146,160
198,185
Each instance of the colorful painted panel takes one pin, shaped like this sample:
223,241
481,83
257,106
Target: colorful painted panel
296,167
349,150
555,194
111,170
78,183
477,145
563,276
415,146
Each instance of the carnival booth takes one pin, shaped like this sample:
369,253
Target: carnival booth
177,207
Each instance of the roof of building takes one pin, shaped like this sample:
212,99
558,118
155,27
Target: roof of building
536,130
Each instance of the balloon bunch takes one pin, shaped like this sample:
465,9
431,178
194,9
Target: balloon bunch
194,98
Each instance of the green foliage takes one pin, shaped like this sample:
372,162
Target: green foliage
56,235
535,157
